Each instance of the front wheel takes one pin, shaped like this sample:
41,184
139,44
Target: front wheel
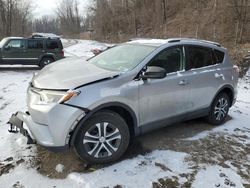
103,138
219,109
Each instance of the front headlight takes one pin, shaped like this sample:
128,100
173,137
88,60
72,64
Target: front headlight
48,96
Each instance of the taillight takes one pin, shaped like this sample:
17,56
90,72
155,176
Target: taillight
236,69
62,53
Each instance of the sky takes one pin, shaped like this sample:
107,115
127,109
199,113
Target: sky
47,7
44,7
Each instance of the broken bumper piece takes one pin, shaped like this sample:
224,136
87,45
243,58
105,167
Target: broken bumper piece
17,125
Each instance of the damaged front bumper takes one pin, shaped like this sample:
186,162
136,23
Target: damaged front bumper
47,124
16,125
53,136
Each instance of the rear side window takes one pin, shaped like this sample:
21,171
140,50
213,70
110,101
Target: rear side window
197,57
52,44
35,44
219,56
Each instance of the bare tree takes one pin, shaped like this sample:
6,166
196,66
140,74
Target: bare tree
14,13
69,17
47,24
241,9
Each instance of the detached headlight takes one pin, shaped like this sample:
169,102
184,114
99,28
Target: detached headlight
47,96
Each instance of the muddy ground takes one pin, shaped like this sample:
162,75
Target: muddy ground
214,149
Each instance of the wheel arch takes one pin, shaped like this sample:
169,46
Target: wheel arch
47,56
229,90
122,109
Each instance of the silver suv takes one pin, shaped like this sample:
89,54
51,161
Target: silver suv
97,106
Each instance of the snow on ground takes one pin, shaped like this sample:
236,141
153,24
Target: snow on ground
217,176
83,48
139,171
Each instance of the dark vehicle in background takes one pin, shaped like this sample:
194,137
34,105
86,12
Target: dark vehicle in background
37,50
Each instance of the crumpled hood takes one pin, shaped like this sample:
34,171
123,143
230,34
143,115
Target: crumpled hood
69,73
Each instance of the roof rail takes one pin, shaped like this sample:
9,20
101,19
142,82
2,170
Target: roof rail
134,39
45,35
193,39
211,42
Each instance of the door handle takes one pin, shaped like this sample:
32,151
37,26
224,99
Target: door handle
183,82
219,76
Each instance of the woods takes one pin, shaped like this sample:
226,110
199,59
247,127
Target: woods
223,21
15,17
119,20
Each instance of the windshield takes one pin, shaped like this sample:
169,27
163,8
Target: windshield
122,58
3,42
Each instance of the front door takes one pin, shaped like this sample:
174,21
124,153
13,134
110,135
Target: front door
14,52
160,99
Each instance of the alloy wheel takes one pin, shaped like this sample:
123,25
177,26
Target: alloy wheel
102,140
221,109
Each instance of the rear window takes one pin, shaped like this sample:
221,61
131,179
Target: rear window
35,44
219,56
198,57
53,44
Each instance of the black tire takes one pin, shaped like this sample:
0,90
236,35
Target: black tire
45,61
96,153
218,113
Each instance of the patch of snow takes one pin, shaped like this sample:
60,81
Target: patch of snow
13,89
47,35
216,176
83,48
59,168
29,178
140,171
148,41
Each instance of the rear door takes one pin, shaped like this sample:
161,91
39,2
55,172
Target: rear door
35,50
14,52
203,74
54,47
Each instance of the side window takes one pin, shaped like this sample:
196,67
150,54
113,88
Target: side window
219,56
169,59
197,57
35,44
52,44
16,44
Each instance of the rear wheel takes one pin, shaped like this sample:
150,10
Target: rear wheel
219,109
45,61
103,138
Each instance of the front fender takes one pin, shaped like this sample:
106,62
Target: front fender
136,129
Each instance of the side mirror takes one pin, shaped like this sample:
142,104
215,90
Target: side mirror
7,48
153,72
